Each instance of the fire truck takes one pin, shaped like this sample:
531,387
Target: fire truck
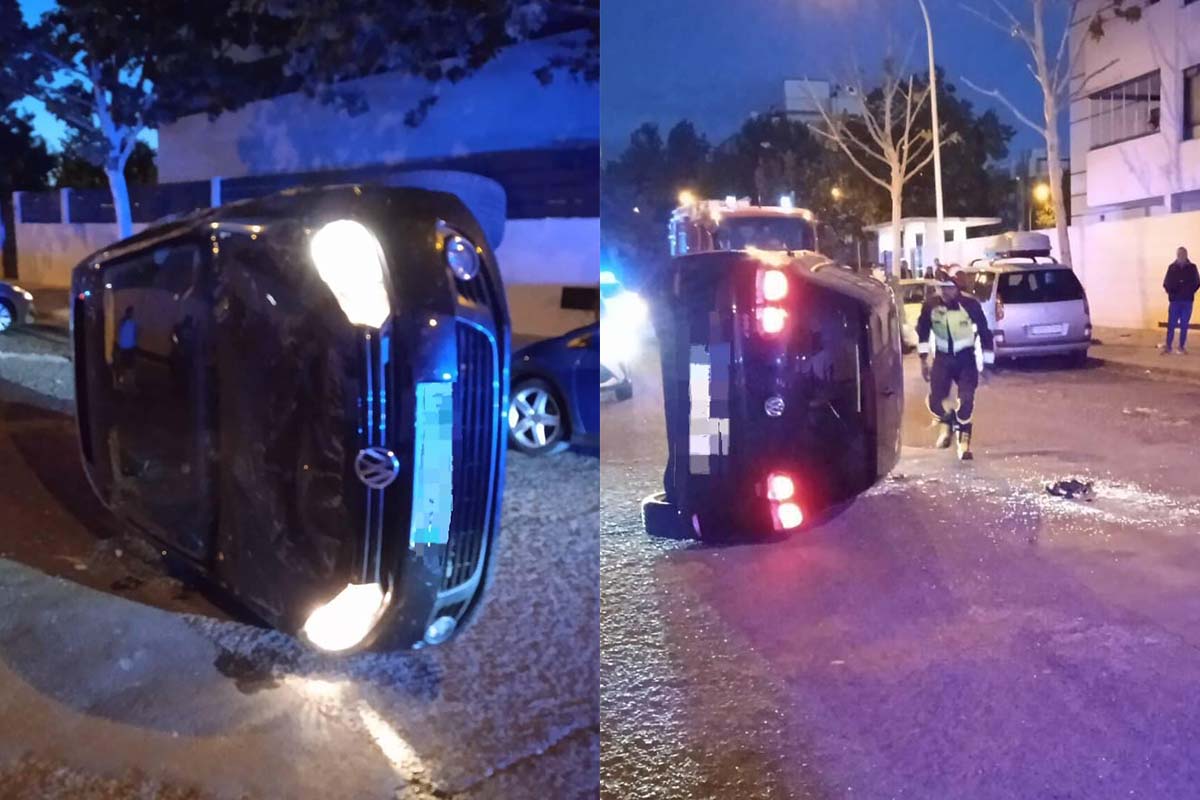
783,385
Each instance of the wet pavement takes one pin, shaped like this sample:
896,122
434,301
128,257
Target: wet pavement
122,677
955,632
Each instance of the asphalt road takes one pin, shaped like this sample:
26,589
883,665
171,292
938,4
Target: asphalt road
954,633
118,679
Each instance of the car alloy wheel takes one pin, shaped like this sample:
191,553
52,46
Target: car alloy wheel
6,317
535,418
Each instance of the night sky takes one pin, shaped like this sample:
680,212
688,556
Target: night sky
715,62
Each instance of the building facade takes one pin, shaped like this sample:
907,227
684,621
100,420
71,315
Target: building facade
1135,126
804,100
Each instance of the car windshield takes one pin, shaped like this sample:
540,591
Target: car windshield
765,233
1040,286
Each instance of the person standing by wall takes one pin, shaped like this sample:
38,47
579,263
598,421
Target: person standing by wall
1181,283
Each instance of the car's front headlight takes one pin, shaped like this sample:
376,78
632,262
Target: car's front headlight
350,261
347,619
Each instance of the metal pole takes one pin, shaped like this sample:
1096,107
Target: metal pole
937,134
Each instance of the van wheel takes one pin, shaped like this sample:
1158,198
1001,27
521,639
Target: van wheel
1079,359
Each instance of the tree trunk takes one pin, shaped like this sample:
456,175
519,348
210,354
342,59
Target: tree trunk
1050,108
120,196
893,269
1061,223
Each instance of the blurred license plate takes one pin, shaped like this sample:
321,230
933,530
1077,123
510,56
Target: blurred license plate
1048,330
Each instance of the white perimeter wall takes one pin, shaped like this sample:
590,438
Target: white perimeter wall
47,252
1121,264
537,258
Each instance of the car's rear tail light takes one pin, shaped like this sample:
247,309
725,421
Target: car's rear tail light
772,320
999,309
772,285
781,493
788,516
780,487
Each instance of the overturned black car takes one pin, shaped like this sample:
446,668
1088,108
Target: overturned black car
782,376
303,396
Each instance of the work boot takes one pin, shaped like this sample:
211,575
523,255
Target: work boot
964,446
945,435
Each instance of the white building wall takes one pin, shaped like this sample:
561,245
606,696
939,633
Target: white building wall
1143,176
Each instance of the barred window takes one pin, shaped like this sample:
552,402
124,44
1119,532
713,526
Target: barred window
1191,103
1126,111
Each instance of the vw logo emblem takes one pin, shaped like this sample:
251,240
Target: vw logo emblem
376,467
774,406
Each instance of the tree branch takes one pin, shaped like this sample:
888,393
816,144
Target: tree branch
993,93
1082,90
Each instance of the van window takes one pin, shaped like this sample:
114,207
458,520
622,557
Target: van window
913,293
1040,286
981,284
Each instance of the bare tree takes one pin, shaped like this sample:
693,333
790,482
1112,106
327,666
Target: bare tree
886,139
1059,74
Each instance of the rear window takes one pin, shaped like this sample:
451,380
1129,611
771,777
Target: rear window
913,293
1040,286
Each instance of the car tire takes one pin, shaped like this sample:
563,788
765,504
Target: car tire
532,403
8,316
624,392
663,520
1079,360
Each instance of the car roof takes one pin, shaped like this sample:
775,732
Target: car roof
1003,265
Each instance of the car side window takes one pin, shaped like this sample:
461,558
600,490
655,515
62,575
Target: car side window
981,287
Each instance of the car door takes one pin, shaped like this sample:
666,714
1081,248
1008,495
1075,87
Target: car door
162,436
585,362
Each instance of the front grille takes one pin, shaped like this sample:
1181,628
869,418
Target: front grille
478,290
475,427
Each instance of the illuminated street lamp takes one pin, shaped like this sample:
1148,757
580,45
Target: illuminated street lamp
1041,195
686,198
836,193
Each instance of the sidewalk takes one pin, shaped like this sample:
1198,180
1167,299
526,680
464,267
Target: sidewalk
1136,351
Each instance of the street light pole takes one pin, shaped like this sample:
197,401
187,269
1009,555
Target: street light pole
937,133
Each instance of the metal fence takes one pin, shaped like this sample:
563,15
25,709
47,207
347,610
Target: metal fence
553,182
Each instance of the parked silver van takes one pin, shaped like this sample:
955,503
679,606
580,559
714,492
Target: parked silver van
1034,305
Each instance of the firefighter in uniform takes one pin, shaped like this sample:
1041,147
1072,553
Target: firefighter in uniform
954,321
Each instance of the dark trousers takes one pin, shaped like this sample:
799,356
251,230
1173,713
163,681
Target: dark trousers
948,370
1179,315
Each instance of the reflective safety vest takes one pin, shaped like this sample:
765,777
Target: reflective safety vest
953,329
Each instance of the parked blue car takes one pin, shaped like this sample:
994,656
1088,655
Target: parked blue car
555,397
16,306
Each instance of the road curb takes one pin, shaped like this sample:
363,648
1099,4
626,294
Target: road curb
1153,373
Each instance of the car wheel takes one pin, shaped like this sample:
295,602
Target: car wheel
537,422
1078,359
8,316
624,392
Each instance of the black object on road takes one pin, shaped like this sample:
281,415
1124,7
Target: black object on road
1072,489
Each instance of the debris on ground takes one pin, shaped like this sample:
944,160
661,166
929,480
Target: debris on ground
1072,489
